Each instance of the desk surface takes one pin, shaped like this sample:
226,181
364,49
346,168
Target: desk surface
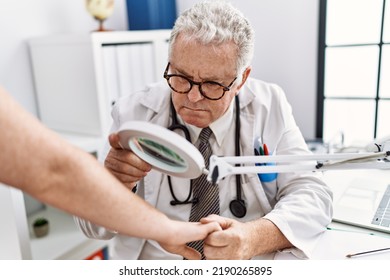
341,240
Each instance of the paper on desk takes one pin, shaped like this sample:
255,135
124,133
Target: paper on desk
336,244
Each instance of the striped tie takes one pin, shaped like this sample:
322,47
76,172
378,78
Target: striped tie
206,193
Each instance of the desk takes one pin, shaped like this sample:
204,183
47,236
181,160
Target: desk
345,239
342,239
335,244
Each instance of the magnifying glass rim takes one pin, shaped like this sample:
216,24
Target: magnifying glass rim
194,162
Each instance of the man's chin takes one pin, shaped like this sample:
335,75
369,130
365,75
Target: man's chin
195,118
196,121
197,124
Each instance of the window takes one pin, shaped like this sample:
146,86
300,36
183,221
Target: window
354,70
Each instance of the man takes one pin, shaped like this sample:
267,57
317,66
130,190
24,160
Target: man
40,163
210,52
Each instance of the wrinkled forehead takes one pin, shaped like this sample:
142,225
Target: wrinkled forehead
188,45
199,60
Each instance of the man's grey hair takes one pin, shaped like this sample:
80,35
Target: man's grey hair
216,22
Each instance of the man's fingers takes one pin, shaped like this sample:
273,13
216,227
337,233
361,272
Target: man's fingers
212,226
182,250
190,253
113,139
222,221
217,239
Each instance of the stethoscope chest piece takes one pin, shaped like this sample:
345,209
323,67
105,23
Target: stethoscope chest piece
238,208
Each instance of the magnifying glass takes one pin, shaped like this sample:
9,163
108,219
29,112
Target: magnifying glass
165,150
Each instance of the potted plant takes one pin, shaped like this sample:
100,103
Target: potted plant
41,227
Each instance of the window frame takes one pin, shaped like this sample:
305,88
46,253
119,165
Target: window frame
322,46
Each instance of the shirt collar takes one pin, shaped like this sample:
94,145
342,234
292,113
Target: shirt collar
220,127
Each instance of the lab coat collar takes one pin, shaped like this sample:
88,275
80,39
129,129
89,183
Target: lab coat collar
247,94
154,101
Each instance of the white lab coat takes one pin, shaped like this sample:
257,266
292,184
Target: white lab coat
300,205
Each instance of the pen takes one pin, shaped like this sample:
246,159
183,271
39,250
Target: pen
347,230
367,252
261,151
265,149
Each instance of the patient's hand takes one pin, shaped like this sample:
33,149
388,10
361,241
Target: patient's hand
185,232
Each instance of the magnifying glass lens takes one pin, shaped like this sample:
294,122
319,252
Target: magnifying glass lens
160,152
163,149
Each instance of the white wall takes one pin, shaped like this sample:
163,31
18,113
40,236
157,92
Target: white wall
286,50
286,44
24,19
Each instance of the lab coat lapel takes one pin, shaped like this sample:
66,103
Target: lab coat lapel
248,134
152,183
159,105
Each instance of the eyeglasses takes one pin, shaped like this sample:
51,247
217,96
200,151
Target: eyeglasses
209,89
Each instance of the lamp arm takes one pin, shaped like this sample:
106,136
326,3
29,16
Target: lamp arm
220,167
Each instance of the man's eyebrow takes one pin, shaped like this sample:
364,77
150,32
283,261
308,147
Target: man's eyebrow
183,72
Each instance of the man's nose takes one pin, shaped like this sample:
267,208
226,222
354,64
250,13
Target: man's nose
194,94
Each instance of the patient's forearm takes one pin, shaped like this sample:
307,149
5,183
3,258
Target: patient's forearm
39,162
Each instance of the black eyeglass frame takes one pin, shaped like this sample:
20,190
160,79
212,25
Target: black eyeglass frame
199,84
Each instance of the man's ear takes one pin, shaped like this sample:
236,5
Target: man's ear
245,76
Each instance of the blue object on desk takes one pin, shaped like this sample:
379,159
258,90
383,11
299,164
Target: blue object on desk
265,177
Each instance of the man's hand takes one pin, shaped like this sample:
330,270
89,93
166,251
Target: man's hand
126,166
242,241
232,243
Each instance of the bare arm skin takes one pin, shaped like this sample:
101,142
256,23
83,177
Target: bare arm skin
42,164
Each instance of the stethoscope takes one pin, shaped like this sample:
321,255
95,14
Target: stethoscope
236,206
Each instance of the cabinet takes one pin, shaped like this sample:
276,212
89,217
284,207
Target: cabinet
77,79
17,241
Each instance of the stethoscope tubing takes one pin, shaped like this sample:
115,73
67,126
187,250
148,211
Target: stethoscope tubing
237,206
